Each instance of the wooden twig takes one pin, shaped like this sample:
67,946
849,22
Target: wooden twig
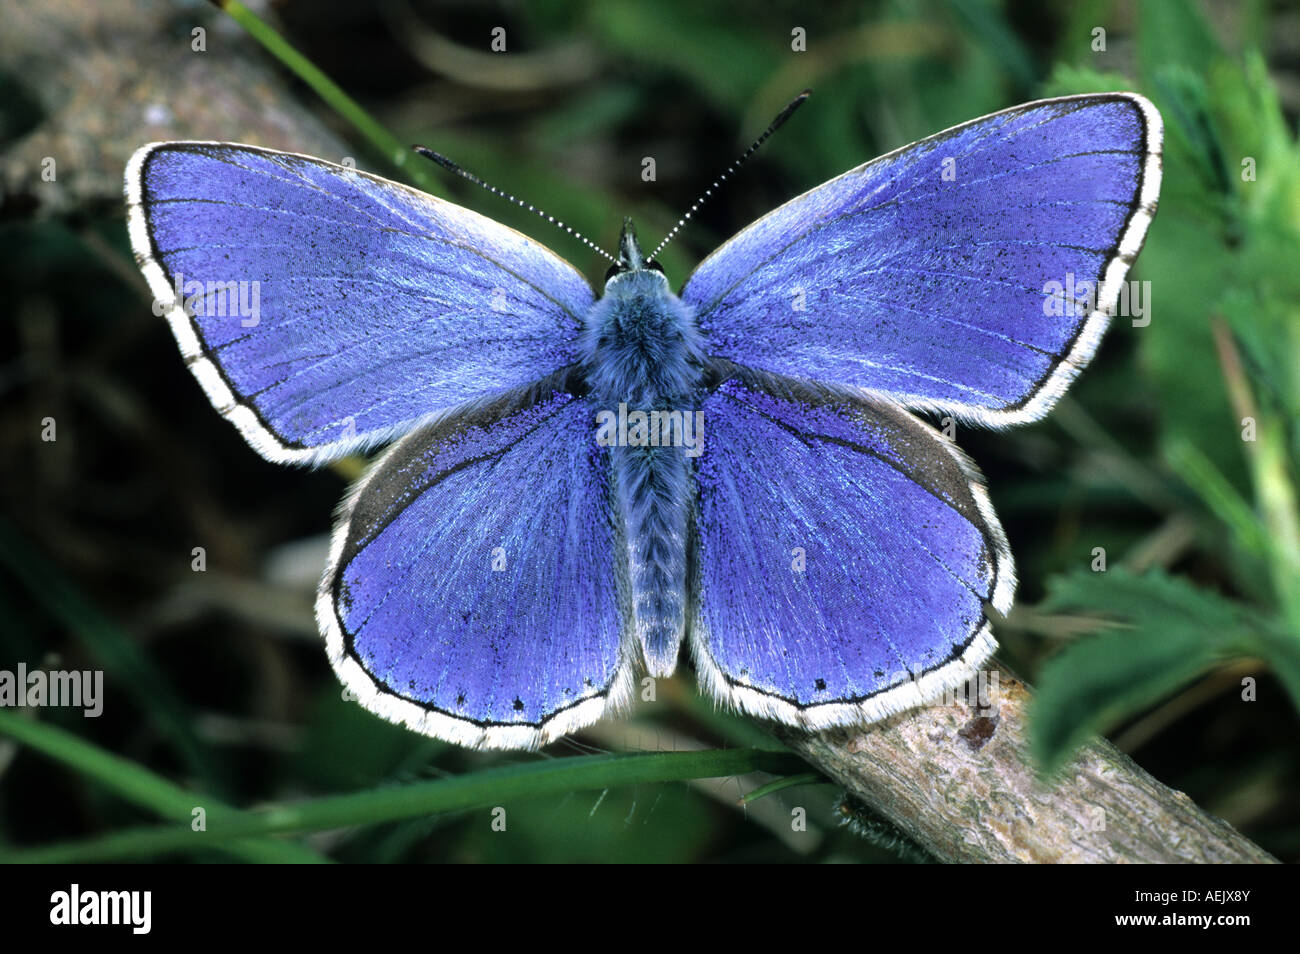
959,781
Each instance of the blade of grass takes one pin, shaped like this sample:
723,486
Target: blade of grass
1220,497
139,786
1135,474
781,784
1274,490
385,142
110,647
488,788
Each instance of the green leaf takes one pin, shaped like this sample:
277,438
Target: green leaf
1160,633
1071,80
1191,127
1254,126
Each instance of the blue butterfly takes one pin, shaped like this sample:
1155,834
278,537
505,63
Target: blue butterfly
580,484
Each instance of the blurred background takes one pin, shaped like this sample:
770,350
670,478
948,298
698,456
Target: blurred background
1184,650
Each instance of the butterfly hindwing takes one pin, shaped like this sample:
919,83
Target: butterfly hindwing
330,310
845,555
953,274
473,592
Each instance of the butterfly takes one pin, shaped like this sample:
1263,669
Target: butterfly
579,484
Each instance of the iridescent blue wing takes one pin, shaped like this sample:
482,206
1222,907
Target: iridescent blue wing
845,555
331,310
472,592
950,274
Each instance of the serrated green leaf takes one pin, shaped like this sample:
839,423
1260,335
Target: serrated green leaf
1160,632
1070,80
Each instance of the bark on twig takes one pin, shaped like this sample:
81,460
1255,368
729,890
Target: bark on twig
960,781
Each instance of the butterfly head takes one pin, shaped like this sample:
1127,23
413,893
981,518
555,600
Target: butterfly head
630,257
639,342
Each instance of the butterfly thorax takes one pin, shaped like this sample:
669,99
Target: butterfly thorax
640,343
643,358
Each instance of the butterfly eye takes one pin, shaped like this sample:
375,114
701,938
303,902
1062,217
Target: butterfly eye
613,270
655,266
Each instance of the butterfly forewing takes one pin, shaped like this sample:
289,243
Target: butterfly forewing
972,272
325,310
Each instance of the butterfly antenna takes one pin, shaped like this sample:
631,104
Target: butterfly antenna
772,127
450,166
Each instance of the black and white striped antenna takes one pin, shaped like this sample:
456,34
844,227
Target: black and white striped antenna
772,127
453,167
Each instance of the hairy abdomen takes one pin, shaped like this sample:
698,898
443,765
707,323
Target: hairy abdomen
643,355
653,487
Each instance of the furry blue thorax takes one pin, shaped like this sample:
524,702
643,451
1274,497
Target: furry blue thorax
640,344
641,348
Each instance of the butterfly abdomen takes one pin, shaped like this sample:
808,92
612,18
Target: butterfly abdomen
653,492
643,360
